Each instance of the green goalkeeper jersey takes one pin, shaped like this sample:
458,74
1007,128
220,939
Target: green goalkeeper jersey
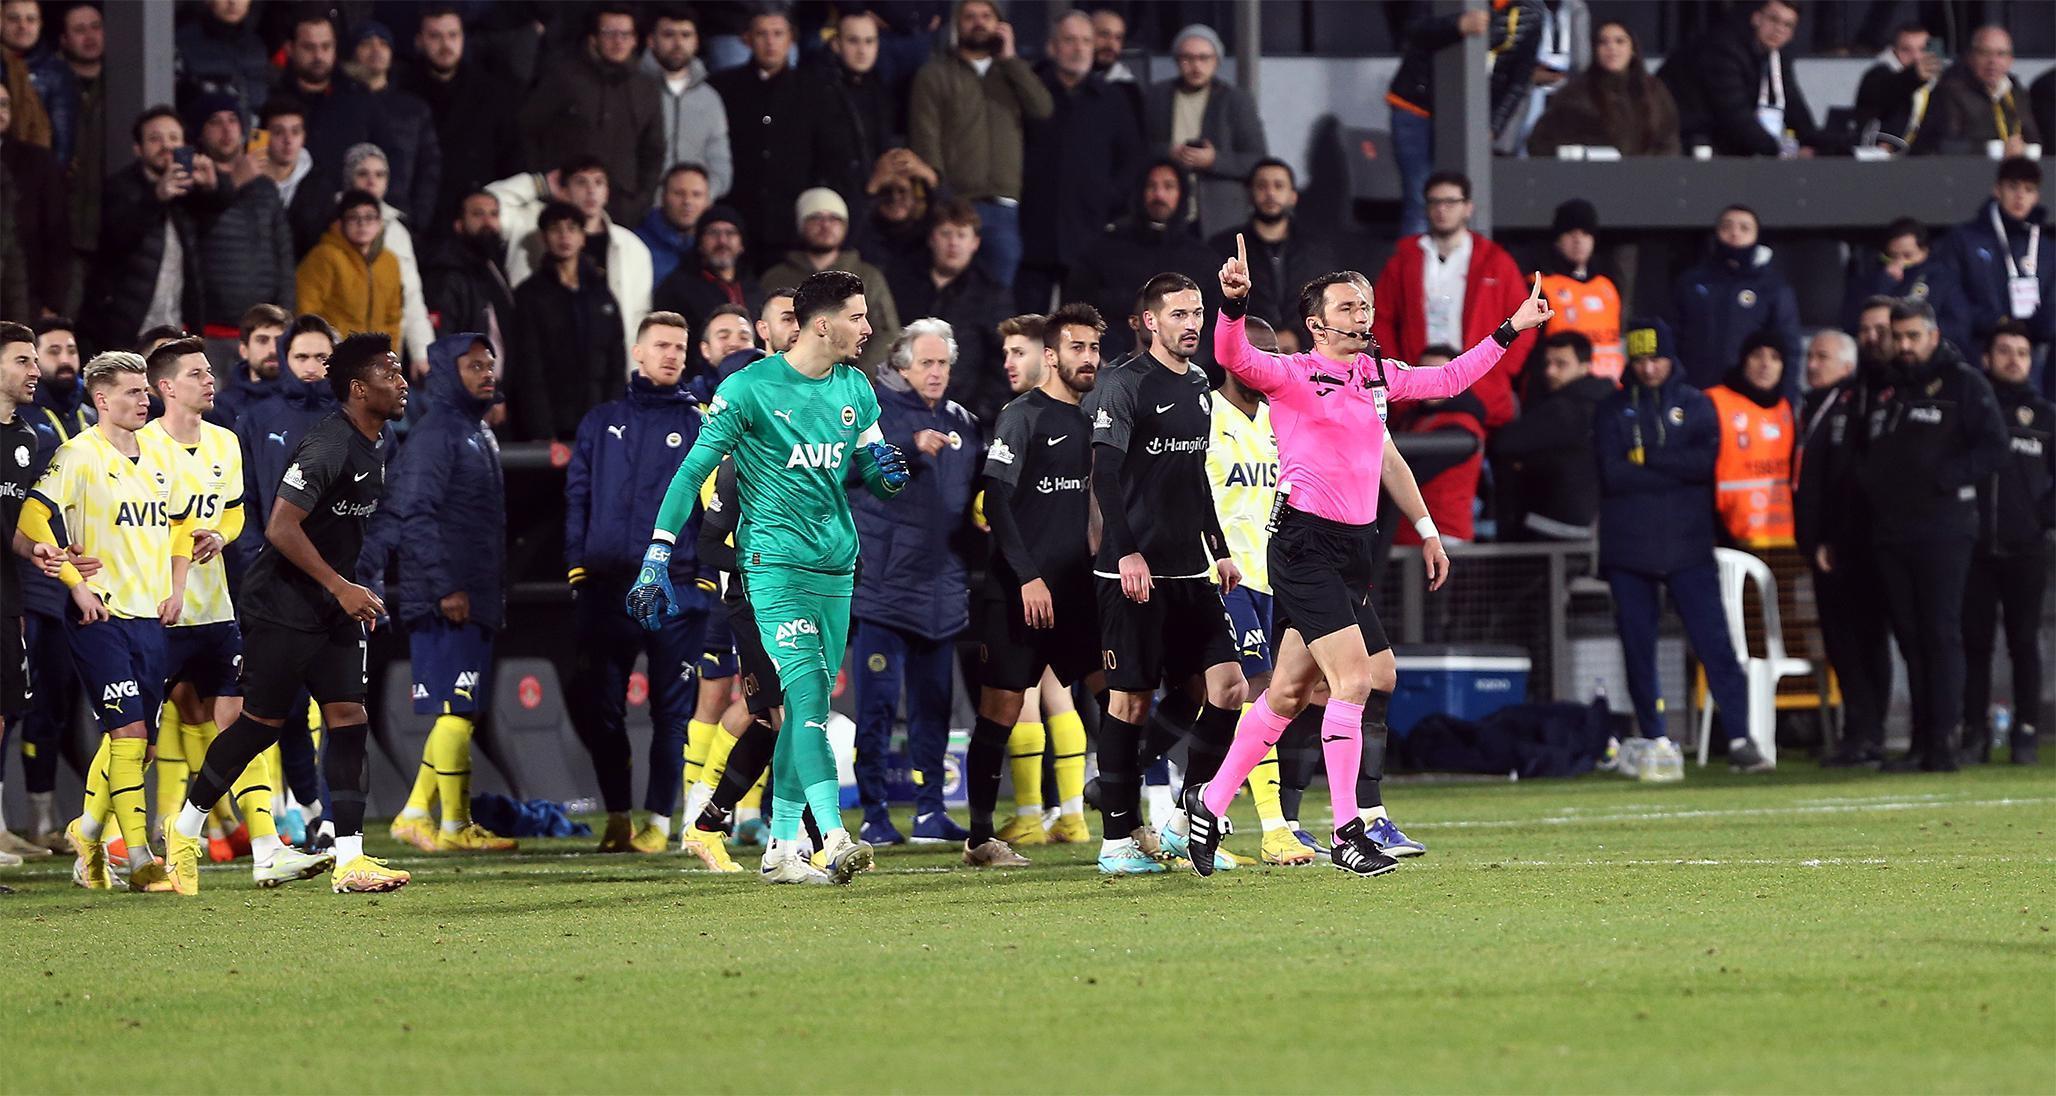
792,438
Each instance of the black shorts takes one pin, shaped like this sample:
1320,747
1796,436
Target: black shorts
14,667
1012,656
761,690
1180,631
1321,579
280,662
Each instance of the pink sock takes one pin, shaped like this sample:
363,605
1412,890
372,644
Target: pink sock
1342,746
1258,731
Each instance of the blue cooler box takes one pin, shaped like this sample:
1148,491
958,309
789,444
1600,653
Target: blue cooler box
1468,682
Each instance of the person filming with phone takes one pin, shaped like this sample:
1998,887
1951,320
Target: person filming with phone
149,272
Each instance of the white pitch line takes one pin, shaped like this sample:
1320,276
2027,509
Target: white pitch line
1735,812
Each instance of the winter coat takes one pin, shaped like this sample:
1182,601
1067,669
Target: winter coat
1721,301
1656,516
522,198
31,121
1448,490
475,130
1960,116
269,431
414,153
627,451
1972,248
238,394
785,134
876,117
1493,290
1631,112
1885,96
885,317
1827,508
311,206
228,55
447,496
344,115
1545,465
1938,283
968,127
1131,252
1231,124
695,125
1277,271
973,304
911,573
1086,154
42,222
132,223
1716,82
691,292
1933,434
350,291
2017,501
459,286
668,244
586,106
566,355
247,248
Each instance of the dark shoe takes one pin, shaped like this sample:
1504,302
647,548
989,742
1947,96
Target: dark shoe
2024,749
1202,831
1853,755
1357,854
1744,757
1908,762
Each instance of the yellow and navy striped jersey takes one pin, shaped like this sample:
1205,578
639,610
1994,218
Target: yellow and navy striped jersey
214,474
120,511
1242,467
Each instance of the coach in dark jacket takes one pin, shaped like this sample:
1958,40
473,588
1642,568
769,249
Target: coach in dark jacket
565,353
132,221
1158,237
1082,163
447,493
913,593
592,104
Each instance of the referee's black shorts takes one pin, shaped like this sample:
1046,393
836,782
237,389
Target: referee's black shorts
278,662
761,689
1011,655
1321,578
1182,630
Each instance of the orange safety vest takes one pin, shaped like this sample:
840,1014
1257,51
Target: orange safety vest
1592,309
1753,474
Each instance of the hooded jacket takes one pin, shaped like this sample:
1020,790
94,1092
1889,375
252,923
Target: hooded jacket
447,500
1132,252
268,432
1932,435
669,245
1493,291
628,450
911,574
1656,515
350,291
565,356
2017,502
239,395
1973,250
586,106
695,125
1722,300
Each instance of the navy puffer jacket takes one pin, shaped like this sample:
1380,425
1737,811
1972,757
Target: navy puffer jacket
911,572
1656,516
447,500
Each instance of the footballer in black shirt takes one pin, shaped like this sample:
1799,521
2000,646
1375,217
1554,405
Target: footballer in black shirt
1161,617
18,471
303,620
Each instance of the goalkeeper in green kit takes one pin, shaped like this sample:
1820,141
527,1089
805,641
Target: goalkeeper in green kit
793,422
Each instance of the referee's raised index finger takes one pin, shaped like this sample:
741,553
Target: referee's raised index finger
1241,250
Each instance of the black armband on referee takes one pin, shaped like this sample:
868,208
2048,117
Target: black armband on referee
1235,307
1505,335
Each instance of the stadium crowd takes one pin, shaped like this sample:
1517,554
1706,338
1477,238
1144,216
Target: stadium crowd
575,228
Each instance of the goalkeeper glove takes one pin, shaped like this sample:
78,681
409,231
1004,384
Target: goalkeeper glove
891,463
652,601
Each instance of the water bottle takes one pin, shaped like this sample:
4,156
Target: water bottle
2002,724
1599,690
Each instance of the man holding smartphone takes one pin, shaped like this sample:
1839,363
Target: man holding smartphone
149,271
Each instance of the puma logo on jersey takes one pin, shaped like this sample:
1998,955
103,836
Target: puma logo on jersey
279,438
618,431
789,633
816,455
786,415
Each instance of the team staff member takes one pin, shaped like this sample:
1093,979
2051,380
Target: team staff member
1037,611
447,508
1752,475
123,498
2010,568
1933,433
304,622
627,452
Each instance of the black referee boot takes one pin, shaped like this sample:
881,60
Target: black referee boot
1202,830
1357,854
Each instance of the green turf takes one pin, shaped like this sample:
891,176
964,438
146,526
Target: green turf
1805,932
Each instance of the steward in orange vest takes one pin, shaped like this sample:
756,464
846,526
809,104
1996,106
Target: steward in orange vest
1753,473
1585,301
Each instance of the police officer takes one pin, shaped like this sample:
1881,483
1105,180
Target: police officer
2010,567
1932,433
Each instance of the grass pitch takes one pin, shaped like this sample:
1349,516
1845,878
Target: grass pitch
1806,932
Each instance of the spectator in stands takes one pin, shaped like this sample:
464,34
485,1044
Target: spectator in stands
1448,486
567,354
365,168
874,112
713,275
957,291
2041,97
149,272
597,105
1109,41
474,111
260,336
1832,533
1933,432
786,131
1542,460
290,167
1451,286
2005,259
1896,91
462,281
1586,301
338,112
619,255
1752,477
21,30
1736,90
1282,257
1903,268
1081,163
1208,127
407,131
218,46
246,246
42,218
1978,101
695,122
824,224
913,594
726,331
1729,295
1615,103
1657,441
61,76
1157,237
14,267
964,118
2011,564
901,191
667,228
1513,30
351,279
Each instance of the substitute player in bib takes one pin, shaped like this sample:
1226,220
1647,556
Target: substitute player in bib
791,421
1327,408
304,623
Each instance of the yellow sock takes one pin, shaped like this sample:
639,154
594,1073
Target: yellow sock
94,810
125,792
173,770
1024,758
191,736
253,797
699,738
1263,791
1067,739
421,800
717,757
275,766
753,800
453,769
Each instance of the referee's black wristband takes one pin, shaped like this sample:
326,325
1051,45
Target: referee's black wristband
1505,335
1235,307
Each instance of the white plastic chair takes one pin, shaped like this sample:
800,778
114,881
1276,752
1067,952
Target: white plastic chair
1762,674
